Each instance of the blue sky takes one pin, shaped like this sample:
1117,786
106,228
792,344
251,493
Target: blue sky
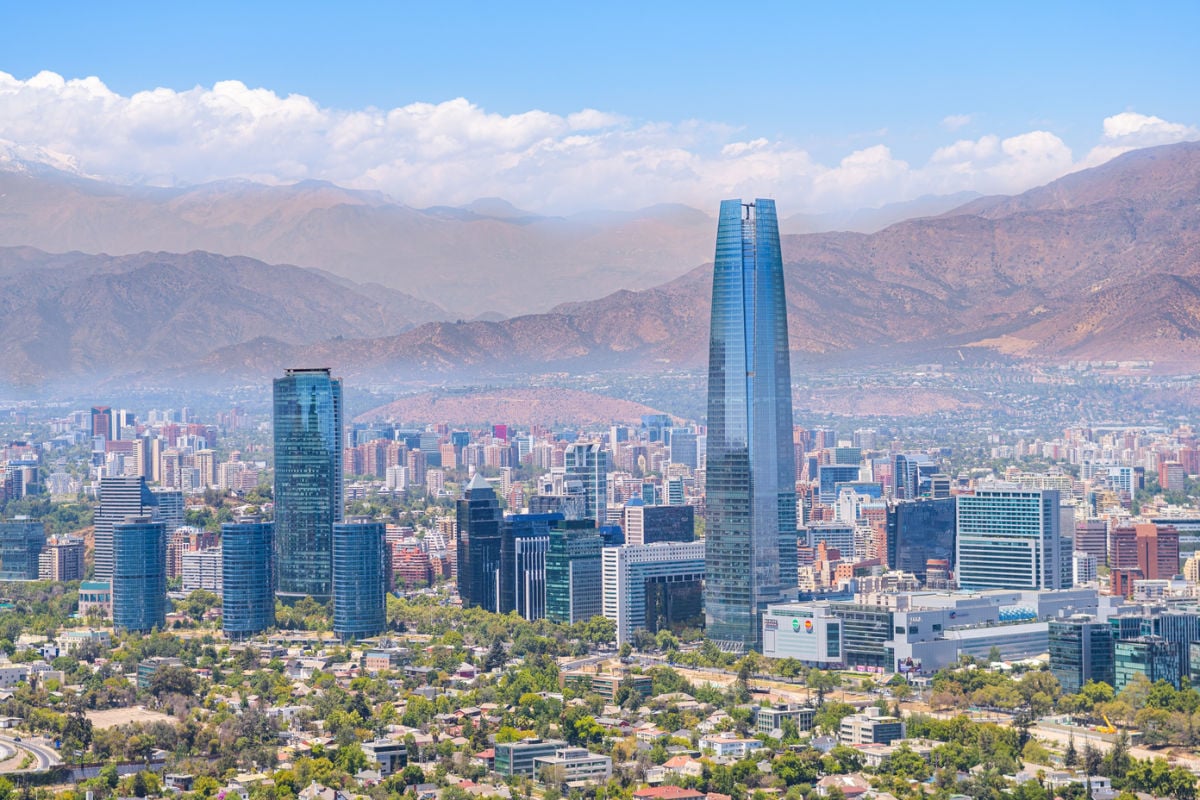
823,80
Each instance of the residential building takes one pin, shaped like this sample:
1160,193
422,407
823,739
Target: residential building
389,755
769,720
139,574
202,570
308,481
750,471
247,577
62,559
729,745
1085,569
360,579
835,536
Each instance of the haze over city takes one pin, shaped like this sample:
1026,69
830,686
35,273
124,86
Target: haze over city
565,402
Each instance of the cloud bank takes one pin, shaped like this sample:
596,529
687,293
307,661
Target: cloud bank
454,152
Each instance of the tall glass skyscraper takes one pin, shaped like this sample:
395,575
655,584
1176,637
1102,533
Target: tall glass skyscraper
247,597
308,481
139,574
587,462
750,533
479,538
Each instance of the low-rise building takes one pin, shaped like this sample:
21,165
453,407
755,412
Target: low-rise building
517,758
872,726
729,744
390,755
769,719
570,764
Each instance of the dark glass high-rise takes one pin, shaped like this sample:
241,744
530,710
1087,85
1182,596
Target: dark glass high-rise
247,556
750,531
479,539
308,481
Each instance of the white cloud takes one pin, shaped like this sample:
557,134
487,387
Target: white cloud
955,121
454,151
1129,130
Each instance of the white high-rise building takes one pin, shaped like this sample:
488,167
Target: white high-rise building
652,586
1011,538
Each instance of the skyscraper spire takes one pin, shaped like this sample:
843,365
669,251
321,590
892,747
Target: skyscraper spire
750,532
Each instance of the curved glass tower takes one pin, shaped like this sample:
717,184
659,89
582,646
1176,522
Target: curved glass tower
139,574
247,599
750,527
308,481
360,578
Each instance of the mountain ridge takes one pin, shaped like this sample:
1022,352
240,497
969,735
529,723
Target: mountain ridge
1102,264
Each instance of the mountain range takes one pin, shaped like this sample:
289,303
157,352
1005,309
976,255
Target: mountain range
1101,264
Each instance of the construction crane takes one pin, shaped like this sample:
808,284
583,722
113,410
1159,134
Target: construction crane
1108,727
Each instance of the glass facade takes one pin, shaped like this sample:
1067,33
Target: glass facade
308,481
919,531
139,577
523,544
750,531
588,464
21,544
574,579
1080,651
653,586
865,633
479,520
120,497
1011,539
360,579
247,580
1151,656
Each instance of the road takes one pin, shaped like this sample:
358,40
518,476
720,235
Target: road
45,758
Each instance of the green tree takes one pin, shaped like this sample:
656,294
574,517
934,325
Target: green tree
822,683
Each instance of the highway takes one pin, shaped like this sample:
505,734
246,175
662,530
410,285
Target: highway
45,757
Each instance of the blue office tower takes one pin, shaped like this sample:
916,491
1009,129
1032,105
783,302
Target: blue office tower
139,574
247,580
750,539
360,579
308,481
